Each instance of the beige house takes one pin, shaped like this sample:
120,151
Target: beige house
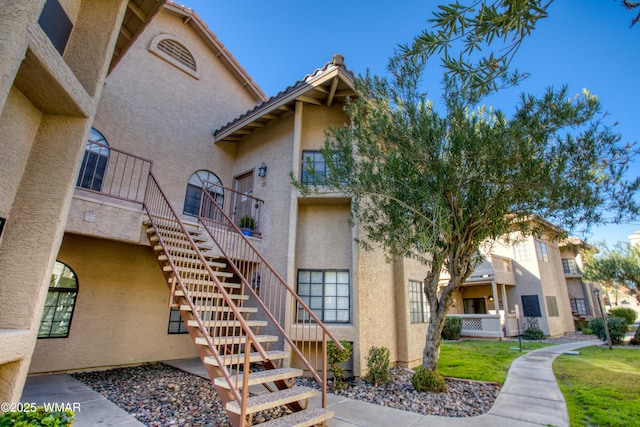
528,277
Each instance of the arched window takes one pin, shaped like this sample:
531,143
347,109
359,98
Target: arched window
61,300
176,53
198,180
94,163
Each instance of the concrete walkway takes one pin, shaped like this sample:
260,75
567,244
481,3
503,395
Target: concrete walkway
529,397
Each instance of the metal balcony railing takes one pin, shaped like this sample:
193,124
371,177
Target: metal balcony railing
241,208
107,170
296,323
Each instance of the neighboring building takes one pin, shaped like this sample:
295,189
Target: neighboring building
635,239
527,273
584,305
54,57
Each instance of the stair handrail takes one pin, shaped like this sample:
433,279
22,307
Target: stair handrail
205,196
250,336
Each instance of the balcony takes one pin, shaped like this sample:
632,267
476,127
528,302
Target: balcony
111,189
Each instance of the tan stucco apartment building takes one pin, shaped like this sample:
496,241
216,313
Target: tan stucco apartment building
80,283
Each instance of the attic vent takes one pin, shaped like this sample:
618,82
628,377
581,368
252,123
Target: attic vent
178,52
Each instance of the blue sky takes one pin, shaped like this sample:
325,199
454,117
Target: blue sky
583,43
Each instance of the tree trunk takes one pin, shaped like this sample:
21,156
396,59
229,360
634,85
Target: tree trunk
438,309
431,352
460,267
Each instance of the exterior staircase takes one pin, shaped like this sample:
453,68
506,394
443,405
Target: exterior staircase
226,293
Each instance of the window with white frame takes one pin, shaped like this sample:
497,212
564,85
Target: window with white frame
327,293
417,303
522,251
541,250
60,303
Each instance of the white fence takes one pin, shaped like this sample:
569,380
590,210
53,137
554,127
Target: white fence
480,325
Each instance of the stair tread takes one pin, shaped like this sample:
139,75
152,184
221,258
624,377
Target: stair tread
199,271
186,307
272,400
228,323
253,357
207,282
175,237
305,418
262,377
205,294
173,226
232,340
195,260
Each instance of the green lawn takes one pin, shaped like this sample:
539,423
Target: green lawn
480,360
601,386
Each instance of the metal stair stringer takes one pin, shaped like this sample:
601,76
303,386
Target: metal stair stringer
297,324
212,308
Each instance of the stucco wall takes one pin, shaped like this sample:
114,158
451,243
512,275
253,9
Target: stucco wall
410,336
153,109
19,124
121,314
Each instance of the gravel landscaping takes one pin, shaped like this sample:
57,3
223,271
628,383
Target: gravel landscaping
160,395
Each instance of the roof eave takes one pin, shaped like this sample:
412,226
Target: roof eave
193,19
279,103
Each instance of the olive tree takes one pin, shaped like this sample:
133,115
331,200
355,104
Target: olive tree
433,182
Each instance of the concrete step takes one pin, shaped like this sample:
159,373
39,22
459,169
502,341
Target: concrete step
235,340
195,271
272,400
206,282
173,226
212,294
202,246
261,377
308,417
253,357
213,261
219,309
228,323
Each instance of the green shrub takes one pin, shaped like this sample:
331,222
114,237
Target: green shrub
617,328
636,338
38,418
378,364
587,330
426,380
247,221
334,358
626,313
533,333
452,328
580,324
